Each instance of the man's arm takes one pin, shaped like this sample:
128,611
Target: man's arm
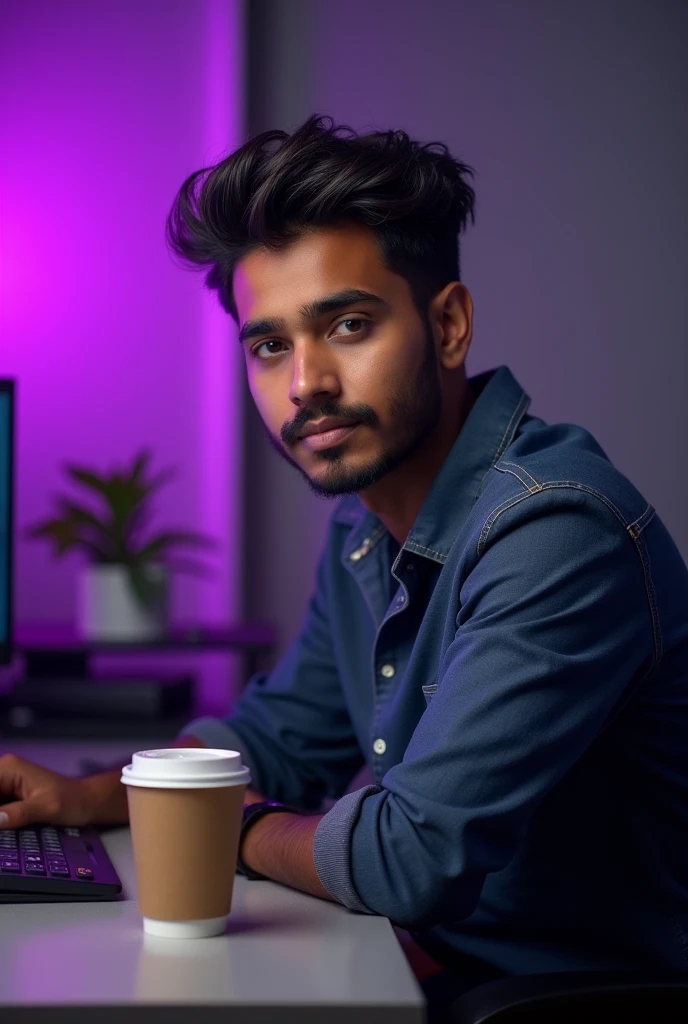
280,846
43,795
553,625
292,725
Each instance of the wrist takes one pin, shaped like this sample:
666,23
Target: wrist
104,799
255,835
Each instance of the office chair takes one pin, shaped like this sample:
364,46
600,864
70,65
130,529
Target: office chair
576,997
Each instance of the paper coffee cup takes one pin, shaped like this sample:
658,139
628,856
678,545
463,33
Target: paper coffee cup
185,806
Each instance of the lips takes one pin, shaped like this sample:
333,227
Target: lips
326,433
324,425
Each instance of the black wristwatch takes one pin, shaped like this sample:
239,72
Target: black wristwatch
251,814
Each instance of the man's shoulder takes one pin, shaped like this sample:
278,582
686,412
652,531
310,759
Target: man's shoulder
554,460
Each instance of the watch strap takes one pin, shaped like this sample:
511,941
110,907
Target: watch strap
250,814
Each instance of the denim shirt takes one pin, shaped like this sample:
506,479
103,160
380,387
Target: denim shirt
516,678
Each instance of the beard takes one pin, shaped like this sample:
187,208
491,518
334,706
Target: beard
415,407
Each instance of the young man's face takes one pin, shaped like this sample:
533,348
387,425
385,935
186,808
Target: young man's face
347,386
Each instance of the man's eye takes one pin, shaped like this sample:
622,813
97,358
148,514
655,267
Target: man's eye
359,324
271,348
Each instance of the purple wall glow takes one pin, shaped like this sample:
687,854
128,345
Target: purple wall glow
106,108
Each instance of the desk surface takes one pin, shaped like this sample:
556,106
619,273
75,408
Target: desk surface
285,957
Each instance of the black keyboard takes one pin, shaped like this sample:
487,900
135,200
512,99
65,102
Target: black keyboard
51,863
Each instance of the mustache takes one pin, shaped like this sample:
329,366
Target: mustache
289,433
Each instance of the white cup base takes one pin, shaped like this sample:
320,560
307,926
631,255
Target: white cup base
185,929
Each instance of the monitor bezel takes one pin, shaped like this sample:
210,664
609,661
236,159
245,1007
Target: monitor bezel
7,386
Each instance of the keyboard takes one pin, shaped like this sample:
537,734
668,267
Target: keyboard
47,864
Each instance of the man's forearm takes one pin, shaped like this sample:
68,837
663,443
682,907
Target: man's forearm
106,796
281,847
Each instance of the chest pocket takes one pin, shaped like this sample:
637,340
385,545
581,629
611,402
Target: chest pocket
429,692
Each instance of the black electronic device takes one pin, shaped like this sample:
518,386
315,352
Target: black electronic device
6,516
55,864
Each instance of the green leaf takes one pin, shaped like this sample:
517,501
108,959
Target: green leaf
140,464
146,589
64,535
89,478
116,532
79,514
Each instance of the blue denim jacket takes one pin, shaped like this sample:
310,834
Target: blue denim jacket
516,677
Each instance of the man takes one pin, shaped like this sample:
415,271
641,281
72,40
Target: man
499,626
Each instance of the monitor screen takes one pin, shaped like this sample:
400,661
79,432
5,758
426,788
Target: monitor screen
6,516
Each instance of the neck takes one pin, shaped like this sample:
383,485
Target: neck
397,498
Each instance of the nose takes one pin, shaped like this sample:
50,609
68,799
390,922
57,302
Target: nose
315,377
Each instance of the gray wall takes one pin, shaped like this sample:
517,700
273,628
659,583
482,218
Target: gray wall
572,113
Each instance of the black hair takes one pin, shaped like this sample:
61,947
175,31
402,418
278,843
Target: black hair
416,200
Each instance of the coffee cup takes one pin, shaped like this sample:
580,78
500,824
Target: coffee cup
185,807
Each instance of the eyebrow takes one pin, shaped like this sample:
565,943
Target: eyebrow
309,312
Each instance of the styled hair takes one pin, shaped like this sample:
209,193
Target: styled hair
415,199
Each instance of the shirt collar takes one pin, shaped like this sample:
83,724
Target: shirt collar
485,435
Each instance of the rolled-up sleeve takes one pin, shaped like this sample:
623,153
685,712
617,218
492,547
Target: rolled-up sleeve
553,624
292,725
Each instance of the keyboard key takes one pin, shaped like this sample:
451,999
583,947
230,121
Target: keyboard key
84,873
34,869
10,864
59,870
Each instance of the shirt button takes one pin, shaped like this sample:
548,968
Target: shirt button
387,671
401,599
379,746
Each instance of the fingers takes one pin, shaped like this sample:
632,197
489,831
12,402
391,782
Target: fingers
17,814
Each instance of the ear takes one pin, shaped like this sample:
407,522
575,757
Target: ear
451,316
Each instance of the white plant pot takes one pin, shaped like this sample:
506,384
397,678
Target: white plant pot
108,609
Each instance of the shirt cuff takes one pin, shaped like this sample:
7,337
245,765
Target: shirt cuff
213,732
332,848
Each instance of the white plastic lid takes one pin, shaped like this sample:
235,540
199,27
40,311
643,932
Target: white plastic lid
186,768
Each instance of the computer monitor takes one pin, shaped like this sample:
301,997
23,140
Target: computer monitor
6,517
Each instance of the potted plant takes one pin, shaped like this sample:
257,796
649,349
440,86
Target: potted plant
124,586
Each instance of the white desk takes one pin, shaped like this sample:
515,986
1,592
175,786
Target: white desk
286,957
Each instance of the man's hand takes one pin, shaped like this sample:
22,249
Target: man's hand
38,794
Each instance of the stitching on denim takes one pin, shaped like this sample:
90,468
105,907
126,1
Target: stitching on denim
634,534
573,484
657,642
636,528
375,764
512,472
536,485
421,549
521,407
523,402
